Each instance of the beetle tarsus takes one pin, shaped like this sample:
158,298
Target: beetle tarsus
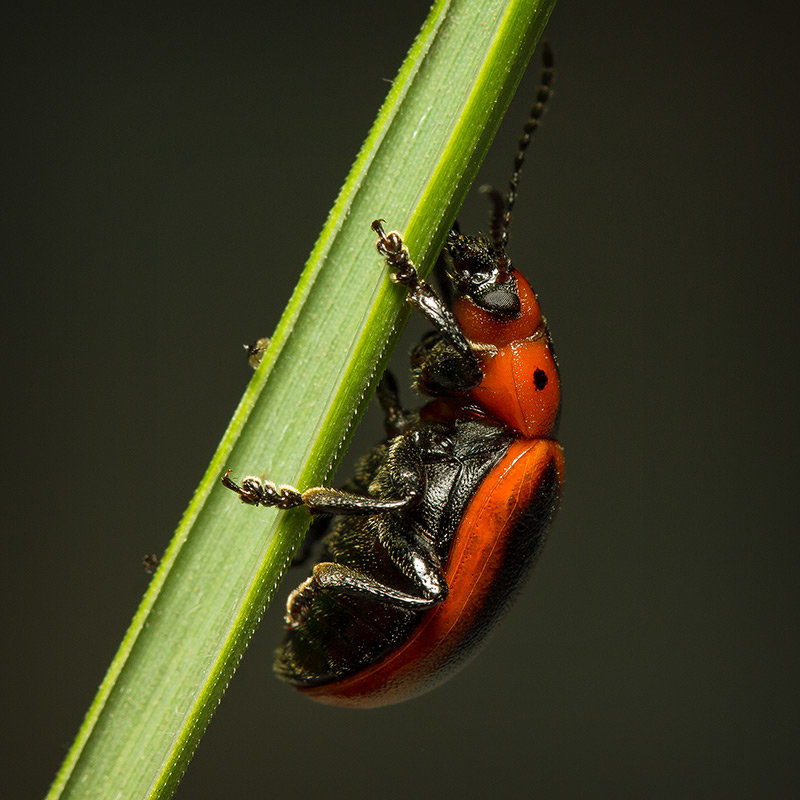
391,247
255,492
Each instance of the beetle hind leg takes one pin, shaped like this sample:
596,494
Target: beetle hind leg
345,580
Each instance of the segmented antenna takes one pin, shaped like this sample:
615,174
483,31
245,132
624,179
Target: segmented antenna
495,215
543,94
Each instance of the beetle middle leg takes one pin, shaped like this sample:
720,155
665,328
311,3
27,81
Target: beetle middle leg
317,499
397,420
398,485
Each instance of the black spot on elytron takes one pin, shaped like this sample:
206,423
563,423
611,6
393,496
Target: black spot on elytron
539,379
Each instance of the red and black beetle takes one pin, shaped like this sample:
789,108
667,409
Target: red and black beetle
432,539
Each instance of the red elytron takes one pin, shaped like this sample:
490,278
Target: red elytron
429,543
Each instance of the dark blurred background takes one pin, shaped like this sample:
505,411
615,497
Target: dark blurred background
153,156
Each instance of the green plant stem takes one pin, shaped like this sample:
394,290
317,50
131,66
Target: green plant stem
225,559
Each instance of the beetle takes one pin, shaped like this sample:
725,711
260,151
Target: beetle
432,539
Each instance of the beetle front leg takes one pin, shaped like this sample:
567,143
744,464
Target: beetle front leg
420,294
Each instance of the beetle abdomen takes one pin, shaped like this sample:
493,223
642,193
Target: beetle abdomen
498,540
340,634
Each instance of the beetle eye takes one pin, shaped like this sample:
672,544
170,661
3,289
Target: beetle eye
500,301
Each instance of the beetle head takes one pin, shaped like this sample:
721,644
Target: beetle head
481,271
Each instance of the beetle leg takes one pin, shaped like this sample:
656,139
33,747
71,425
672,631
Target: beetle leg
418,562
320,499
342,579
254,492
416,558
439,369
423,297
409,550
347,580
396,418
358,485
400,489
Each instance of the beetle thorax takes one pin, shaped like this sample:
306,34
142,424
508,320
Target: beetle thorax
485,327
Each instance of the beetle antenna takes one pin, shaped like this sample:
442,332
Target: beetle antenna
495,215
543,94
